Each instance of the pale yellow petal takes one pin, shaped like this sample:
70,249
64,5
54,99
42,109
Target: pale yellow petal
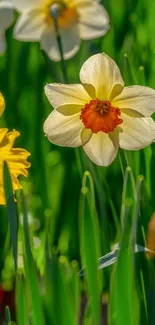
137,132
101,148
63,130
90,90
93,21
24,5
30,25
70,42
102,72
69,109
6,14
59,94
86,135
80,3
138,98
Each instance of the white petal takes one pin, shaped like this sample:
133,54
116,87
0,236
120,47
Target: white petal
30,26
137,132
101,148
59,94
93,21
24,5
2,42
138,98
70,42
63,130
103,73
6,14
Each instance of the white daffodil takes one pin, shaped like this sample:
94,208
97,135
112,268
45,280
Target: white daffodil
77,19
6,19
101,114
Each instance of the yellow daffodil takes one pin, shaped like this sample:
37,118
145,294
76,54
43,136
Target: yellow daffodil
2,104
77,19
16,158
6,19
100,114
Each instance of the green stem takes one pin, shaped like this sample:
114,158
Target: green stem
63,65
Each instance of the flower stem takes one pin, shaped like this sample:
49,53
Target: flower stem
59,41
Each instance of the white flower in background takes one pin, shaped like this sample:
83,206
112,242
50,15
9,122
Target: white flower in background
101,114
6,19
78,19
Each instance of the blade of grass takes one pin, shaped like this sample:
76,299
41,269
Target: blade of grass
31,273
7,316
89,235
124,303
59,302
54,11
11,210
22,311
76,291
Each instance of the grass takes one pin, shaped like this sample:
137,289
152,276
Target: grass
73,212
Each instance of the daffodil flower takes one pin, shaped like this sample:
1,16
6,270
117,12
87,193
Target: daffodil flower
100,114
77,19
16,158
6,19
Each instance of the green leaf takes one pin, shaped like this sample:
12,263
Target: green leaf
90,242
22,310
11,210
7,316
124,302
31,274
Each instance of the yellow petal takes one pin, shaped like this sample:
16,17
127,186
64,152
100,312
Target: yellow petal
2,104
16,159
86,135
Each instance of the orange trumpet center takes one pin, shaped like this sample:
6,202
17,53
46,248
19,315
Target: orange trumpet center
100,115
66,16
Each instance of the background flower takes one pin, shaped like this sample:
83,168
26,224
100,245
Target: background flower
100,114
78,19
16,159
6,19
2,104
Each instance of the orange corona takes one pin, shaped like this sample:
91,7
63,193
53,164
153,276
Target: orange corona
100,115
67,16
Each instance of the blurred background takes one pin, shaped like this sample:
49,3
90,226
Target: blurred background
58,240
